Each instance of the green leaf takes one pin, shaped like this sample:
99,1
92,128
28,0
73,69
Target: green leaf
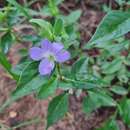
7,66
124,110
119,90
48,89
112,47
97,99
2,16
72,17
24,90
6,42
121,2
4,61
22,9
25,72
58,27
88,105
115,24
112,67
30,87
110,124
58,2
65,85
89,83
80,67
57,109
45,28
53,7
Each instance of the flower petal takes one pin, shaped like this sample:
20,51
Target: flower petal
57,47
62,56
35,53
46,44
45,67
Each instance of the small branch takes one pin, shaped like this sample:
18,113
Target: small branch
26,123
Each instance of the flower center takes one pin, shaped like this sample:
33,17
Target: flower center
51,58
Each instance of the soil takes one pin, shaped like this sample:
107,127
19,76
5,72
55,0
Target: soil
28,107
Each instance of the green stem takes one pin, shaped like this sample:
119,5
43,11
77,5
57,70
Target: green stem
6,104
58,70
3,126
36,120
26,123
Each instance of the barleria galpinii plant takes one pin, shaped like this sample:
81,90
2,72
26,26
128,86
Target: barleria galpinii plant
56,60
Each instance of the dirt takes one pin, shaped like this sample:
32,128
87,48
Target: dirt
28,107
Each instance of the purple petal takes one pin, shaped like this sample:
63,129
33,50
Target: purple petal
62,56
45,67
57,47
35,53
46,44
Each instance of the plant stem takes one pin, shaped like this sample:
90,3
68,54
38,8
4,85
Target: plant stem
6,104
26,123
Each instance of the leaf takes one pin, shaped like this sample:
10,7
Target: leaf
48,89
45,27
115,24
58,27
53,7
112,47
124,110
6,42
25,72
20,8
80,67
121,2
72,17
88,105
21,91
110,124
57,109
112,67
97,99
5,62
119,90
65,85
89,83
58,2
28,88
7,66
2,16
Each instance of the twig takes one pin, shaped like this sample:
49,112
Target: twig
26,123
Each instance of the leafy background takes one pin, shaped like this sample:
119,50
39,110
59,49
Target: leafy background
111,68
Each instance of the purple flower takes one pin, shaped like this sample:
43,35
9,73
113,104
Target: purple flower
47,54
